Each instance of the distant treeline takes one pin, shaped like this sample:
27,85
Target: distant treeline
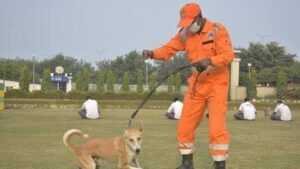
266,59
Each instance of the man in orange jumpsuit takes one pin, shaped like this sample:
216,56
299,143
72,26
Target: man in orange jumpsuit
208,44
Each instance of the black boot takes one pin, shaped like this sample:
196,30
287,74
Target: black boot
220,165
187,162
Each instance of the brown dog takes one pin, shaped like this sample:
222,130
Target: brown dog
268,112
124,149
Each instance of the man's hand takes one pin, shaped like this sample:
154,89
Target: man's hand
147,54
203,64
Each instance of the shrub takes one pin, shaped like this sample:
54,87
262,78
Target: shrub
53,94
76,94
16,94
80,95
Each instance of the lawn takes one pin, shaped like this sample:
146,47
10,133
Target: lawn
32,139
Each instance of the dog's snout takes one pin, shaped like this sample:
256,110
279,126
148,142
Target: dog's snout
138,150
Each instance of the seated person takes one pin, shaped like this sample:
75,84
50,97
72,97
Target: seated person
285,112
90,109
174,111
246,111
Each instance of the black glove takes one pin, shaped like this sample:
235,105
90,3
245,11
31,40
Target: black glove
202,64
147,54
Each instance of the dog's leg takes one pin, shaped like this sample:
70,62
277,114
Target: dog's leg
86,162
123,162
97,161
136,162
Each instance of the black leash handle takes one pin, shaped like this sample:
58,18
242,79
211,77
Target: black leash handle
155,87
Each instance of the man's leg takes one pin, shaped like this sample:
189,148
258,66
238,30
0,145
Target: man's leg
192,115
82,114
99,112
170,115
239,116
275,117
218,135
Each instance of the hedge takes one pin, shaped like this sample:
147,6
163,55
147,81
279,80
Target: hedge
79,95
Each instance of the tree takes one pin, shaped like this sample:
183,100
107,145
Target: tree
10,69
125,86
46,80
152,81
24,79
177,83
295,71
244,78
100,83
267,60
69,64
110,81
268,76
140,80
281,83
180,59
85,79
251,89
132,63
170,83
79,81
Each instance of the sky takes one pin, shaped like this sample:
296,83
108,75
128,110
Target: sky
94,30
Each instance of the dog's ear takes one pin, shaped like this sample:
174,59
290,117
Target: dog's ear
128,124
125,132
141,127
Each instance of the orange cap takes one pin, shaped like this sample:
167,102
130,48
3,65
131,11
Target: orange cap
187,14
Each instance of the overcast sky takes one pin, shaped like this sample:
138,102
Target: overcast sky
94,30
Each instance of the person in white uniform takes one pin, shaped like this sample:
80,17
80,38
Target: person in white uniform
285,112
90,109
174,111
247,111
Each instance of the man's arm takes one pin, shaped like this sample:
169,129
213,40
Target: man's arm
83,106
170,108
276,110
224,48
166,51
241,109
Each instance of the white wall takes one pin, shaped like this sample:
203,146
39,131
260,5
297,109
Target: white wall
9,85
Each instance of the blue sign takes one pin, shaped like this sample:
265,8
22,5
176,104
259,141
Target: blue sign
59,79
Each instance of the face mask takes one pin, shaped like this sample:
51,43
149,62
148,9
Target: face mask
194,27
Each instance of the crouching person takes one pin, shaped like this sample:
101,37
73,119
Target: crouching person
285,112
246,111
90,109
174,111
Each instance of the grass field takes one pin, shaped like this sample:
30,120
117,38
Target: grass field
32,139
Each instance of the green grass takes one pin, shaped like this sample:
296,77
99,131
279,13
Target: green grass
32,139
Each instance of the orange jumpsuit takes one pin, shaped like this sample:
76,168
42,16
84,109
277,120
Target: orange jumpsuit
211,88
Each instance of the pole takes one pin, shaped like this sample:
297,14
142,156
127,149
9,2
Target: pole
4,76
33,57
249,72
249,68
146,72
263,37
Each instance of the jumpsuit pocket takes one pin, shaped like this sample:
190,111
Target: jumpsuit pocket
190,49
209,47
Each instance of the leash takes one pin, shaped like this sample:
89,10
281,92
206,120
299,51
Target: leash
155,87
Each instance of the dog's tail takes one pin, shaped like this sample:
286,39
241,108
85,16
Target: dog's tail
69,134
